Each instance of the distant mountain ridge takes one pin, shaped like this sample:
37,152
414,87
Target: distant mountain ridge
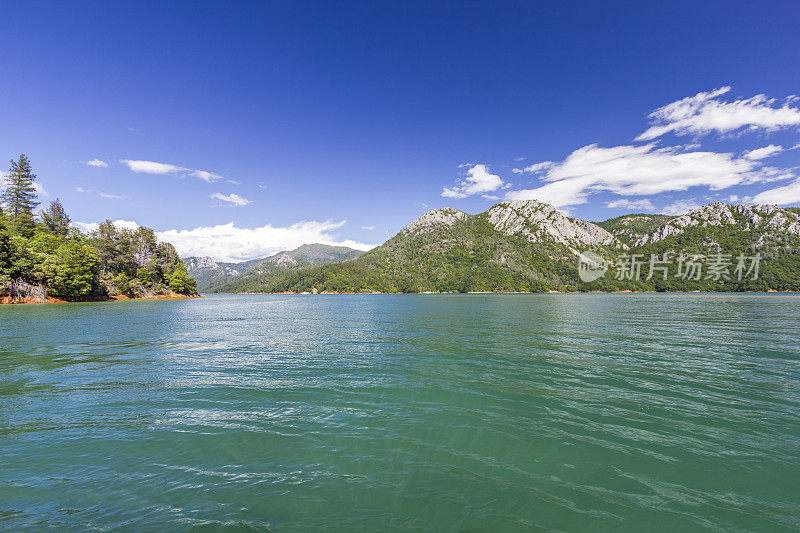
527,245
216,276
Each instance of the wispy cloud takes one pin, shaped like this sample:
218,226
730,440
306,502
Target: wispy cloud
97,163
233,199
99,193
368,228
705,112
787,194
633,205
153,167
680,207
478,180
535,168
762,153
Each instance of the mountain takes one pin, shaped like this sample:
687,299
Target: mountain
213,276
628,229
532,246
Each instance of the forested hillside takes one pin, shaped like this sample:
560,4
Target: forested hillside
213,276
528,246
42,256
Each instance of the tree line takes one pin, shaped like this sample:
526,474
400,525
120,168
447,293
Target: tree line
41,249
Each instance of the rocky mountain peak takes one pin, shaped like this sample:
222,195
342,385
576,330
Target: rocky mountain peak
282,259
763,217
537,221
200,263
430,221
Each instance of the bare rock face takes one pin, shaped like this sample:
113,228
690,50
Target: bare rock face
283,259
537,221
205,263
766,218
432,220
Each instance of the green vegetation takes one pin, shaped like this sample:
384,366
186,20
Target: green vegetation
470,255
215,276
41,254
630,228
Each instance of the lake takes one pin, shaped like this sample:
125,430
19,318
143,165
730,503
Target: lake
670,412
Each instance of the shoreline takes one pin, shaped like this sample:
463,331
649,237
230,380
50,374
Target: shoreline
627,291
6,300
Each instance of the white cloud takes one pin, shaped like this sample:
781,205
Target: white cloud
788,194
226,242
368,228
633,205
120,224
705,113
761,153
99,193
107,195
97,163
207,176
642,171
479,180
539,167
680,207
152,167
39,188
232,198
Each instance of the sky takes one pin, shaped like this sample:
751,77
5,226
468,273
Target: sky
238,129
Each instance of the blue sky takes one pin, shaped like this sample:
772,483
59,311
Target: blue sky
240,128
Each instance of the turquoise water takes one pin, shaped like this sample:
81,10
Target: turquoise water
407,412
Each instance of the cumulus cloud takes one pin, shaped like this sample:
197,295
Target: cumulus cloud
120,224
97,163
680,207
479,180
624,203
152,167
642,171
231,198
762,153
705,113
227,242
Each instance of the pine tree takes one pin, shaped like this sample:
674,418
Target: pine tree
20,194
55,219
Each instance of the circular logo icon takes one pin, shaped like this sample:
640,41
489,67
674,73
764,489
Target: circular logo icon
591,266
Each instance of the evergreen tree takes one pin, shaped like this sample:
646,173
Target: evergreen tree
20,194
55,219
